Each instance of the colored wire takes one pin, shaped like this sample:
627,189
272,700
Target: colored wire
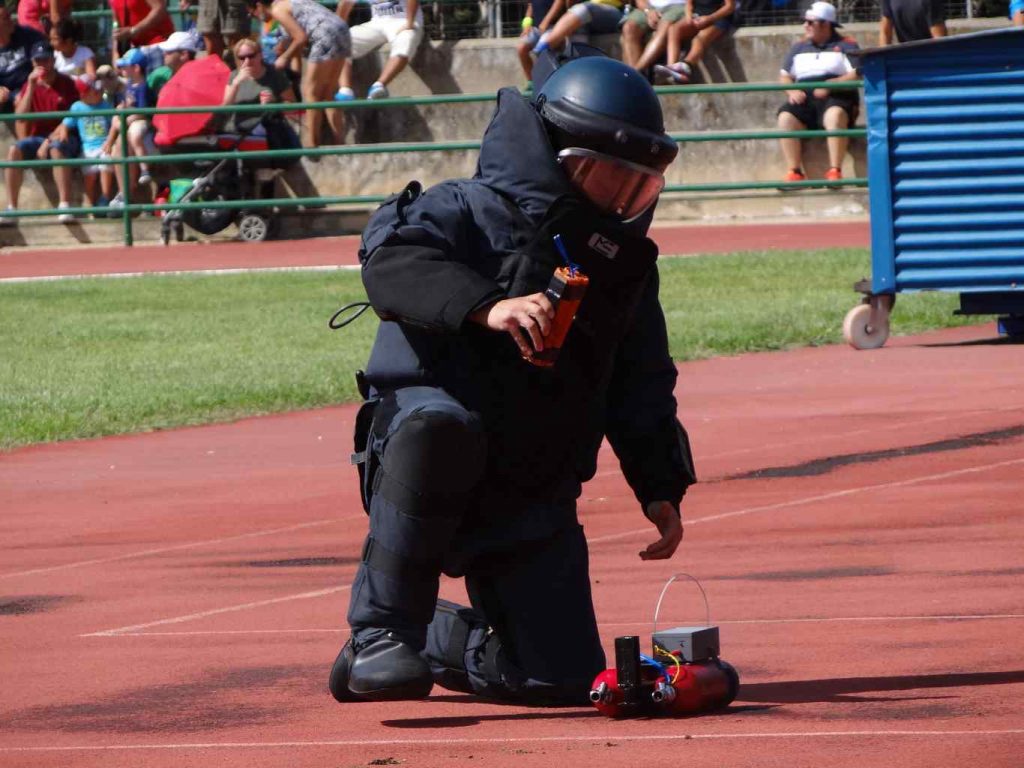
656,664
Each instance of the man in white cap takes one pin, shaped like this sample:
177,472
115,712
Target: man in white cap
822,54
177,49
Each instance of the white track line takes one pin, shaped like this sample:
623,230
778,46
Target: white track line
599,539
179,272
175,547
603,624
819,497
216,611
448,741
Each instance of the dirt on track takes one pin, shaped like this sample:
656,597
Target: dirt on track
176,598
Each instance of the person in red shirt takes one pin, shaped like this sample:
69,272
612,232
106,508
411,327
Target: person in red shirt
140,22
43,15
46,90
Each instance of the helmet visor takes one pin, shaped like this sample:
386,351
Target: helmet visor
613,185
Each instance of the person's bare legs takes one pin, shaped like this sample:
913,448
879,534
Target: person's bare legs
791,148
61,177
836,119
107,183
564,28
345,78
318,85
632,43
392,68
13,177
680,31
700,44
89,188
655,46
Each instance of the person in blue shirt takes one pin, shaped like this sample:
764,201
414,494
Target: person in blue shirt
94,132
136,94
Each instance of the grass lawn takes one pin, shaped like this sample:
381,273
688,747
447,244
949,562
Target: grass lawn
89,357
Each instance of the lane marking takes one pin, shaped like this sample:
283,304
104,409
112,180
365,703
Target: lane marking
819,497
180,272
810,620
600,539
216,611
596,738
175,547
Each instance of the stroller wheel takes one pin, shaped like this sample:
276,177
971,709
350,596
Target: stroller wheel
253,227
165,235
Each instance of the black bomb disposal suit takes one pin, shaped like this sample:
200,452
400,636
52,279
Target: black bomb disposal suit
474,458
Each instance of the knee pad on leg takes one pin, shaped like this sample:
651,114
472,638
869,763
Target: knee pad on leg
432,461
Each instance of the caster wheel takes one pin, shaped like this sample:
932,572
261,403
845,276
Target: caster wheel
858,331
253,228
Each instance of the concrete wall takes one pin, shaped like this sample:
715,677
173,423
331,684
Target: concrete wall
481,66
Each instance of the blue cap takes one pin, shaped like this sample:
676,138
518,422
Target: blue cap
133,56
41,50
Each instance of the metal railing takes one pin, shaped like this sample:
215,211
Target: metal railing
125,161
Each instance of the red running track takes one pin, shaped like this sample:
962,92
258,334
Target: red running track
341,251
176,598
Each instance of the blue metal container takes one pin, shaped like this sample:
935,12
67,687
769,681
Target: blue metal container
946,175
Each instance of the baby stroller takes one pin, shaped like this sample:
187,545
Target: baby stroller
201,83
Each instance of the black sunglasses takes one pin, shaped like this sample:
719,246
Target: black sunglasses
247,56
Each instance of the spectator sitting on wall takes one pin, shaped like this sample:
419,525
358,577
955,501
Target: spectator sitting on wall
396,22
92,131
823,54
911,20
220,22
139,22
654,17
595,17
541,16
43,15
16,42
307,23
45,90
71,58
177,49
706,21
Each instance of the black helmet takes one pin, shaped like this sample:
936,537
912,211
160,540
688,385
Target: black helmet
604,105
605,122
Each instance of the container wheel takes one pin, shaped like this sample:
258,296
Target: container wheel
859,331
253,227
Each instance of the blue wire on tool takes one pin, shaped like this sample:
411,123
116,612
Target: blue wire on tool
573,267
657,665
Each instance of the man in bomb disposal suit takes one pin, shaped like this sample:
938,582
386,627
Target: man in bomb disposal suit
472,456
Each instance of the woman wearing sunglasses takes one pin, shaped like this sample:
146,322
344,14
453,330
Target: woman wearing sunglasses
255,83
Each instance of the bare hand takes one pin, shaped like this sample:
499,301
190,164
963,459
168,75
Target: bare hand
669,525
266,97
796,97
44,150
183,5
527,319
5,94
36,75
280,63
244,73
122,34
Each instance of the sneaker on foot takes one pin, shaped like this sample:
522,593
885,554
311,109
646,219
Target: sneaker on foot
795,174
377,91
144,177
678,73
116,204
834,174
345,94
8,221
65,218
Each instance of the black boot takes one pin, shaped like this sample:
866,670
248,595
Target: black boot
385,670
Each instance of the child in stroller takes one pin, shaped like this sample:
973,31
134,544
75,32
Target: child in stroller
202,83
